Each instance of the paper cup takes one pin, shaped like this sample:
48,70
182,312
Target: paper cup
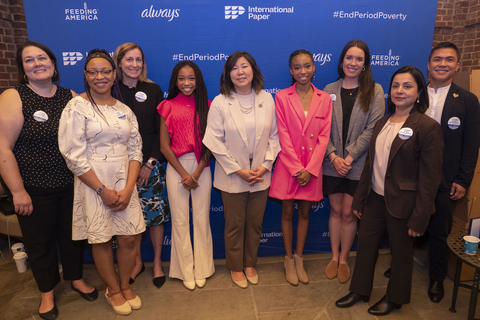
18,247
470,244
21,261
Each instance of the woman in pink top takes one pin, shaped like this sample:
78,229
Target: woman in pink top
304,115
182,127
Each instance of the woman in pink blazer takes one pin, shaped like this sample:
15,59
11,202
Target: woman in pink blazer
303,116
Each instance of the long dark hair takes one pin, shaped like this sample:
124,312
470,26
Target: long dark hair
226,84
366,85
22,79
293,55
114,91
422,104
201,103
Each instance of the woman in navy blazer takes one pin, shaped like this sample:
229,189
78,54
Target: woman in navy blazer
396,191
358,103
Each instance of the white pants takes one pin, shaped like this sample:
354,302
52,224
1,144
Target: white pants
185,264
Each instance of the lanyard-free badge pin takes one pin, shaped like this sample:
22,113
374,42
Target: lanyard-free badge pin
405,133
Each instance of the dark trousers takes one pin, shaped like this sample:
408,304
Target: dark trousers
374,223
49,226
243,227
439,228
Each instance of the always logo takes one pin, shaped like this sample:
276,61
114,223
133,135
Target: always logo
71,58
233,12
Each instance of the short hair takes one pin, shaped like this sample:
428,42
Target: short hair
21,71
226,84
422,104
293,55
444,45
120,53
366,85
114,91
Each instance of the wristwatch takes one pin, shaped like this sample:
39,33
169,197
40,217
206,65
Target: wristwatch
152,162
101,189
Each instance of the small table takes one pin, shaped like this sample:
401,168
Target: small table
455,243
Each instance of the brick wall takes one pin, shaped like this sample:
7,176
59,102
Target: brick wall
13,31
457,21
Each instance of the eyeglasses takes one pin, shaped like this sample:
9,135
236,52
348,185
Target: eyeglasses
94,73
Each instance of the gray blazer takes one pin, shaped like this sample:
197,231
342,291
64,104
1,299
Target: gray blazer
359,130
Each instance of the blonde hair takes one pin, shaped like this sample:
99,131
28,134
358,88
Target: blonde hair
120,53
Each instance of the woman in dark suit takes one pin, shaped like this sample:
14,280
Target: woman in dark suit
396,191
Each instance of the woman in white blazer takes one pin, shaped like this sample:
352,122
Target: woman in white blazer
242,135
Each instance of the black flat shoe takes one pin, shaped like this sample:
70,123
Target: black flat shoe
159,281
350,299
91,296
50,315
387,273
383,307
132,280
436,291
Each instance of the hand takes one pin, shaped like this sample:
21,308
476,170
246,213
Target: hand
249,176
457,191
303,177
342,166
259,171
412,233
23,203
124,197
358,214
143,176
188,183
109,197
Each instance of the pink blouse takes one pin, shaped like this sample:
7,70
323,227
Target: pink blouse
179,114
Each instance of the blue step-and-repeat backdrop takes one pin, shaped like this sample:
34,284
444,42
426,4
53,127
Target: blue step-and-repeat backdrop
398,33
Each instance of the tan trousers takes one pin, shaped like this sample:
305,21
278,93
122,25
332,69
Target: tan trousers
185,263
243,227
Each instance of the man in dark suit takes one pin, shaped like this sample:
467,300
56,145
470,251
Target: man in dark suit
458,112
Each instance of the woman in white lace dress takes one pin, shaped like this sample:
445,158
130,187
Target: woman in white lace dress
98,136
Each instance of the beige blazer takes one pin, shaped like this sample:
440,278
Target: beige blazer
226,137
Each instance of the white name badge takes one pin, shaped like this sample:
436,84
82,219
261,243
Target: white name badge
333,96
140,96
40,116
405,133
120,115
453,123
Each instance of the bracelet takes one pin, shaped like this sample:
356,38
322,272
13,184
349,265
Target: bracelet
196,181
331,161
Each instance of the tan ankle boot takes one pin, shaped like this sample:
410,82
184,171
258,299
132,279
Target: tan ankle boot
290,273
301,274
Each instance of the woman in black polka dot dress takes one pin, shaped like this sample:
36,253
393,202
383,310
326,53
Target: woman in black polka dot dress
32,167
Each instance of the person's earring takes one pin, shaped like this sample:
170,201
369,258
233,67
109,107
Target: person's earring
363,69
313,78
418,99
25,77
55,73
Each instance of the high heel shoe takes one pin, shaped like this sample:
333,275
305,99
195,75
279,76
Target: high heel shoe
124,310
290,272
252,280
383,307
135,303
301,274
350,299
132,280
242,283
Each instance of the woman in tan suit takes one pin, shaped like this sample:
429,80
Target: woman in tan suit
242,135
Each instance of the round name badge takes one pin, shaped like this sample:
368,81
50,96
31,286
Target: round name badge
120,115
333,96
454,123
140,96
40,116
405,133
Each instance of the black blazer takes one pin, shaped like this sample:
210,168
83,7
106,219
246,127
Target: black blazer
413,173
147,116
461,144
